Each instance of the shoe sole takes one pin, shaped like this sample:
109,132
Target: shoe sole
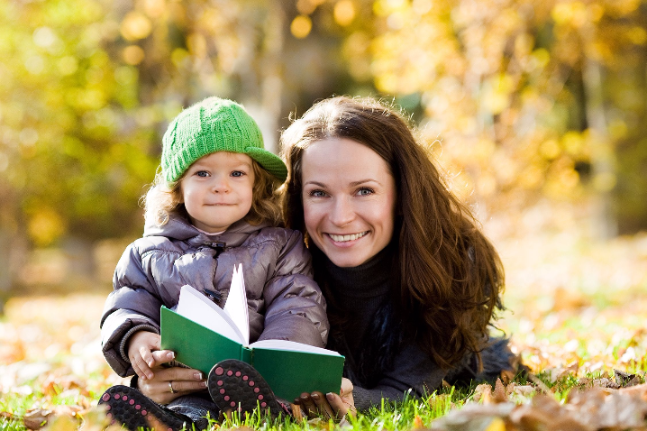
134,410
236,385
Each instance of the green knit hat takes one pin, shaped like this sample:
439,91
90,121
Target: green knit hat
210,126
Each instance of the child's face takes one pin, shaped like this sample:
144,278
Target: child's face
217,190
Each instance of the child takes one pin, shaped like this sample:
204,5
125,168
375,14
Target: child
214,205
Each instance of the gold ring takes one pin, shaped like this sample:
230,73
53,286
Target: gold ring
170,386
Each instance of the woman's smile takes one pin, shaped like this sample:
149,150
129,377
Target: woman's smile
346,237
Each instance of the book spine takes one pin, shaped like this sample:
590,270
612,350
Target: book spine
247,355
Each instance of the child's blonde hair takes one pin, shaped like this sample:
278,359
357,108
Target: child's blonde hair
165,199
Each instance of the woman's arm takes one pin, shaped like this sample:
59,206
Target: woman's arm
414,373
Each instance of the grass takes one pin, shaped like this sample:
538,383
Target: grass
575,314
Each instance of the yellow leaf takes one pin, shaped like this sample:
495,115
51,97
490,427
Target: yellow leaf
497,424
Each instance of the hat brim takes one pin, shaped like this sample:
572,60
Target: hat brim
270,161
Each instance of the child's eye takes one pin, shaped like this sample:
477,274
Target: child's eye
202,173
237,173
365,191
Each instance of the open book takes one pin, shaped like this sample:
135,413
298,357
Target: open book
202,334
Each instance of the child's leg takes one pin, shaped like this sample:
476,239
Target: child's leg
197,407
129,407
236,385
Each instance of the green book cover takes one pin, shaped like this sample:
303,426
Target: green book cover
205,335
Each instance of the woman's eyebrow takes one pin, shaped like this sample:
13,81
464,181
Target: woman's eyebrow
314,183
360,182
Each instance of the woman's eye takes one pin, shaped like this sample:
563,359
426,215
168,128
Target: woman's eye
365,191
317,193
237,173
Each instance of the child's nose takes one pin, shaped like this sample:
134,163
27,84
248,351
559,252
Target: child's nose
220,184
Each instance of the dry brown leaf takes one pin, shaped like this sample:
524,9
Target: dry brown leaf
297,413
519,393
474,417
626,379
499,395
37,418
418,423
55,383
9,416
559,373
528,417
540,385
506,376
483,393
637,390
569,424
605,382
68,410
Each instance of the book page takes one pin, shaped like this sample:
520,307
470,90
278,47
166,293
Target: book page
197,307
292,346
236,305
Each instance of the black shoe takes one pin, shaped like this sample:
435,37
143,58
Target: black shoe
236,385
134,410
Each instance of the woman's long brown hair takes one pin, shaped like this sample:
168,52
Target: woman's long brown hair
451,276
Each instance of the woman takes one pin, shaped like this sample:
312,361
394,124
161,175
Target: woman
412,285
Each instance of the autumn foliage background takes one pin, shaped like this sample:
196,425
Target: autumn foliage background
535,109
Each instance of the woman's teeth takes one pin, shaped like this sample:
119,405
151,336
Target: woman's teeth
343,238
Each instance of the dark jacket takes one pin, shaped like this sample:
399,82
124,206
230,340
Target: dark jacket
284,301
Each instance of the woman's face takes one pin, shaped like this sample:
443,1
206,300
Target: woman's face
348,200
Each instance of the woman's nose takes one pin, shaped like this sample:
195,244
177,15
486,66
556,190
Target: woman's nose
342,212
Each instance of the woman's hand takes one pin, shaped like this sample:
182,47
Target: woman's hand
166,384
331,405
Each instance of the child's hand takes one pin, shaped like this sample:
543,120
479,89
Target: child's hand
140,351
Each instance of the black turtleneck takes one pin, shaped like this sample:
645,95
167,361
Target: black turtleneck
362,293
359,292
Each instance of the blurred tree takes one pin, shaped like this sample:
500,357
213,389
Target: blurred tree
528,99
91,86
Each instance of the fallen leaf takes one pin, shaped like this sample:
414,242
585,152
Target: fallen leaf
497,424
483,393
499,395
63,423
9,416
507,376
625,379
35,419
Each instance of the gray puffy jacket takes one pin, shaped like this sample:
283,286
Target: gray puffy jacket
284,301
